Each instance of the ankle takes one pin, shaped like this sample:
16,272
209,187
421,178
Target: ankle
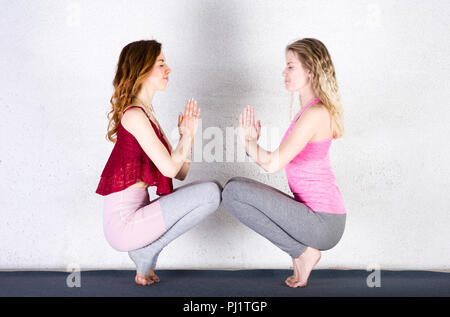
309,252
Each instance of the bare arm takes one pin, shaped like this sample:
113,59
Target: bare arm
185,168
183,171
136,122
272,162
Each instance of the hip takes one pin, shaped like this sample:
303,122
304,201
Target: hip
130,198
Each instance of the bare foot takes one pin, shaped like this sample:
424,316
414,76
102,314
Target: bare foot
151,275
305,263
291,279
143,280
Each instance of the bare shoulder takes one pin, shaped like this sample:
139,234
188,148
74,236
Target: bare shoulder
317,113
134,119
319,108
132,112
321,118
320,112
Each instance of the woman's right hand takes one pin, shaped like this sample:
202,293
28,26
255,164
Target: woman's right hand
188,122
248,129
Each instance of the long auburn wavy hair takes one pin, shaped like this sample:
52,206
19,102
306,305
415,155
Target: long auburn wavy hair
135,64
314,56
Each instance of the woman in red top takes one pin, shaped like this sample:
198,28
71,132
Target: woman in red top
142,156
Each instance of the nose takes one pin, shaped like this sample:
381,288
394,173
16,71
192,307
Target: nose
168,71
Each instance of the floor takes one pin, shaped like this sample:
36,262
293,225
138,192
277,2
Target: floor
212,283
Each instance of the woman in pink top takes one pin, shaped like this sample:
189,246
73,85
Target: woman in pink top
314,218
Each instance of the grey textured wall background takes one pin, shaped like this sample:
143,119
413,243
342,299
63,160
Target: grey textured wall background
392,62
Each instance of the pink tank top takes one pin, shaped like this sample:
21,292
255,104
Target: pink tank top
310,177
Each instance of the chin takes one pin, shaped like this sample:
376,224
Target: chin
289,89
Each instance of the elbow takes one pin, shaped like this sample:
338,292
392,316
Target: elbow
275,169
170,172
271,170
174,170
169,175
273,166
172,175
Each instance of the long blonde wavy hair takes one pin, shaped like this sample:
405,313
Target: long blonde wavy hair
135,64
314,56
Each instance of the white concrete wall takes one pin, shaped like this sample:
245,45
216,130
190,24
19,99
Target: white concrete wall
392,61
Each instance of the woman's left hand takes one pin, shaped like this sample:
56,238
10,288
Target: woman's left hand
248,130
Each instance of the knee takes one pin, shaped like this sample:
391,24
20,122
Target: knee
232,188
212,190
239,179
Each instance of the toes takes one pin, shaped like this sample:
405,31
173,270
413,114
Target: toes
298,284
151,275
293,282
293,285
290,279
140,280
155,278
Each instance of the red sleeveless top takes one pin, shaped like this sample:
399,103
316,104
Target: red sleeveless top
128,162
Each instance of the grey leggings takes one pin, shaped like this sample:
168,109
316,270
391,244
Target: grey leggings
182,209
287,223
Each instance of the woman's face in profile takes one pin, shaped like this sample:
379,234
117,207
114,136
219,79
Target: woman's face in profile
295,75
159,75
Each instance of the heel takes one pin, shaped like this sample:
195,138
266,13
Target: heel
142,266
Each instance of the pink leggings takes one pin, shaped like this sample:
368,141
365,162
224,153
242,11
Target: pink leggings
130,220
